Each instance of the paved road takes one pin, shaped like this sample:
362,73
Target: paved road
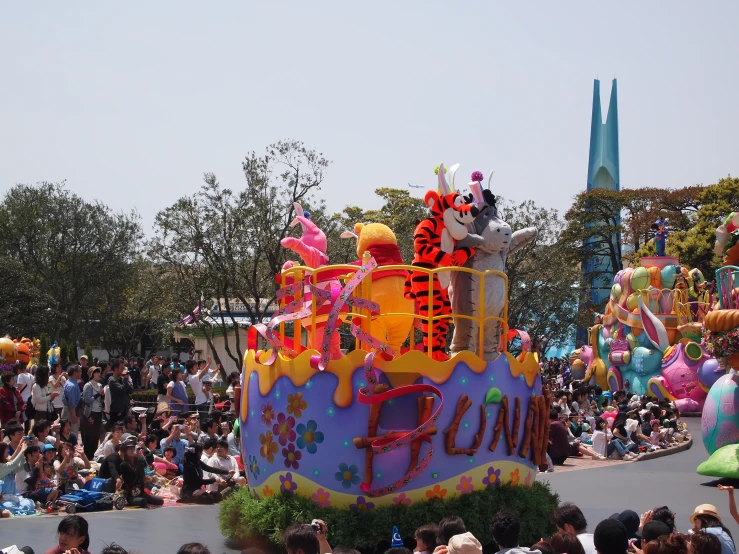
640,486
670,481
158,531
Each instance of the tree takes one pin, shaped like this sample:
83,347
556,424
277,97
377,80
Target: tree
25,310
44,345
593,231
543,277
70,249
225,245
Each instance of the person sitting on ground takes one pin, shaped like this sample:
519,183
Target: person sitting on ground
73,535
9,465
193,480
223,460
35,479
210,431
166,466
610,537
570,519
64,432
565,543
42,431
133,474
110,470
426,539
559,444
135,425
175,439
70,459
108,446
621,442
704,543
14,434
234,440
505,528
300,538
706,517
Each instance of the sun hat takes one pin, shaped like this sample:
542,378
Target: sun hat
704,510
163,407
466,543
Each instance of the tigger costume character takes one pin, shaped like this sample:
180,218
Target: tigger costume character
434,241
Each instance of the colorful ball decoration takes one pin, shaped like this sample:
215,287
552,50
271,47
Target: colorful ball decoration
616,291
8,352
719,420
640,278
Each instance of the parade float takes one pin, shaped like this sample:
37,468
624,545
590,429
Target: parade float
649,340
395,421
720,418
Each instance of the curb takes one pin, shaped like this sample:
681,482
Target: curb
682,447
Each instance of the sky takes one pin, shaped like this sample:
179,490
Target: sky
131,103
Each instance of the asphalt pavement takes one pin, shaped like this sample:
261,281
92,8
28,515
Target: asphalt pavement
641,486
610,488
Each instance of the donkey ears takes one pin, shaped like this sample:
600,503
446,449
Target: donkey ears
348,235
653,327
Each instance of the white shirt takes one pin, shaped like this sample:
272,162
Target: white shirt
40,399
24,384
154,371
586,540
197,387
228,463
57,385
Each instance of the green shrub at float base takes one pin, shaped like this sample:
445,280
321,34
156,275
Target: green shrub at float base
243,518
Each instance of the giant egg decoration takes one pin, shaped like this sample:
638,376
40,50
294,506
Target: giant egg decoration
719,421
640,278
8,353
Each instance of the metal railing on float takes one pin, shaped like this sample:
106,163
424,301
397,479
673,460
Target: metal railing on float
727,281
343,272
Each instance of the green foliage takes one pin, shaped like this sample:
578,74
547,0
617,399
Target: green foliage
149,397
244,518
73,250
44,344
88,352
25,310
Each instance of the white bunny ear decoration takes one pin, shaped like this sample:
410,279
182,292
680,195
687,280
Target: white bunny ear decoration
490,178
443,186
653,327
298,213
452,171
349,235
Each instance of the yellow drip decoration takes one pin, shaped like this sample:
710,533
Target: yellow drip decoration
413,362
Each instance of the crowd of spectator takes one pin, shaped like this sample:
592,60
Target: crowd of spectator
64,427
588,421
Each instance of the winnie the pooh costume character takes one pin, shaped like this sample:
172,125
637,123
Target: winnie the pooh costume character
387,286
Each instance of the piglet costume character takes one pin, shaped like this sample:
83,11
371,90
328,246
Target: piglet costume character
311,247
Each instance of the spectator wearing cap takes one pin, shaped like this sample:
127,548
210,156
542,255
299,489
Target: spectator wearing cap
706,518
611,537
652,531
505,528
631,521
211,397
466,543
570,519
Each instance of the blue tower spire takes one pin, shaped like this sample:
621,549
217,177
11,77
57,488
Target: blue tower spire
603,169
603,173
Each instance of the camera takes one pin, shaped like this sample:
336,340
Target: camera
316,527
